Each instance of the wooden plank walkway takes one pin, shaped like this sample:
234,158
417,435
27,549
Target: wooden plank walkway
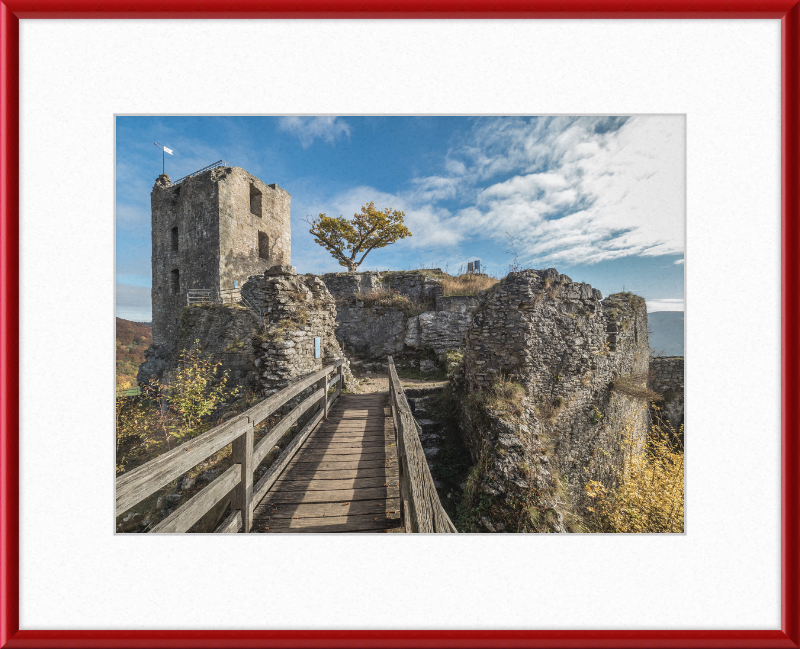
344,477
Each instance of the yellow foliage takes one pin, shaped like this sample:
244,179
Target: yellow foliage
346,239
165,414
651,491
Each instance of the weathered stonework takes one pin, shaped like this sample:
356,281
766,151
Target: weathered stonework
298,309
566,347
263,355
212,231
374,332
666,378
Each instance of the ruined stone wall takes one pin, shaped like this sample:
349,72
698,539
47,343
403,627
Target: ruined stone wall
298,308
374,332
263,355
205,234
565,347
346,285
666,378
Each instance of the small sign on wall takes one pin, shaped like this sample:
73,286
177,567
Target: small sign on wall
316,346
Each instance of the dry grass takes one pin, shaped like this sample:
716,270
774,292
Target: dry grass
634,385
467,284
504,395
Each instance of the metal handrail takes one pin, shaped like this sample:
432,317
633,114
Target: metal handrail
218,163
222,296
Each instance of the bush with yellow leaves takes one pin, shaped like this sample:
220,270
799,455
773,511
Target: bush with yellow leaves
650,495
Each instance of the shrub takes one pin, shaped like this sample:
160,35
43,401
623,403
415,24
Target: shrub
170,413
650,497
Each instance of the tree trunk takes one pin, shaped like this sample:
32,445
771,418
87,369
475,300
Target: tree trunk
351,266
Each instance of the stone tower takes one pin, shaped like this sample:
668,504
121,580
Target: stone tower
212,230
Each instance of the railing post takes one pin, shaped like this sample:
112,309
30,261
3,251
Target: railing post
340,380
323,383
243,494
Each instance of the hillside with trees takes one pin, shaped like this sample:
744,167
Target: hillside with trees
132,339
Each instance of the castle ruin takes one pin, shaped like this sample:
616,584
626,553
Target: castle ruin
212,230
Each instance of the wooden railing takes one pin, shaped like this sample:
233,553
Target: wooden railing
141,482
421,509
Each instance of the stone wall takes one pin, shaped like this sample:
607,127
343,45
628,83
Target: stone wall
211,231
565,347
298,309
666,378
263,355
371,331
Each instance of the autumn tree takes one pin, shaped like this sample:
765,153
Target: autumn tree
346,239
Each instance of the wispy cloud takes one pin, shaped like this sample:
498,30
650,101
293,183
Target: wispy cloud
569,190
328,129
667,304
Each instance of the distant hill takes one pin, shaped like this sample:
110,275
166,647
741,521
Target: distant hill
667,332
132,339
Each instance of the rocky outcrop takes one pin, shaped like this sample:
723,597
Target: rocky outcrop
553,378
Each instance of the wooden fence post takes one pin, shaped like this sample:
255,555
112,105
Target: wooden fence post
323,383
242,453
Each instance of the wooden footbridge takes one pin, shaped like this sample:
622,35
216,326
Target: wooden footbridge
357,465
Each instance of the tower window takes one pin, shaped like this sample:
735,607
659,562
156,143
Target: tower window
263,245
175,281
175,238
255,200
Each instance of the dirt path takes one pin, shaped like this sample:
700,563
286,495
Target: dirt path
380,383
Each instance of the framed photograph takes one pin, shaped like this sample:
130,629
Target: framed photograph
534,187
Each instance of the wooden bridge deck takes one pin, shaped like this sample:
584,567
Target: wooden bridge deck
344,478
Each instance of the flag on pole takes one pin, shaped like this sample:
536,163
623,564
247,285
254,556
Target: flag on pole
163,151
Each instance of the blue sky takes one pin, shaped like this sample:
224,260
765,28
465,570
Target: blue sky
601,199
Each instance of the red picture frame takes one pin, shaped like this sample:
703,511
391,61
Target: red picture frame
11,11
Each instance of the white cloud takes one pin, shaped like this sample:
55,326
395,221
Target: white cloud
667,304
310,128
679,261
572,190
569,190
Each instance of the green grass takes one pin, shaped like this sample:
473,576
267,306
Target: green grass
132,392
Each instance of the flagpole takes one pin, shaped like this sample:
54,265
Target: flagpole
164,151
